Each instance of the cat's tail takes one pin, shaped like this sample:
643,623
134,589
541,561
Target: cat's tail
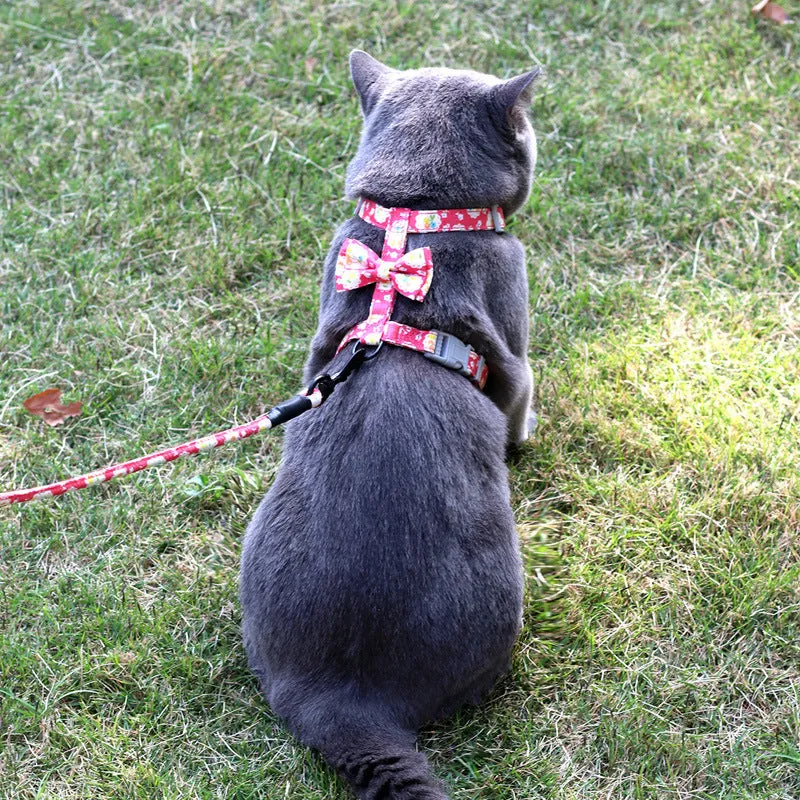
375,755
386,770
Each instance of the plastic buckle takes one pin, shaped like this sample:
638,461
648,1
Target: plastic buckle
452,353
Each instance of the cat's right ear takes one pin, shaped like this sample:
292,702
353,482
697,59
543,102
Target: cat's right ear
517,91
511,98
367,73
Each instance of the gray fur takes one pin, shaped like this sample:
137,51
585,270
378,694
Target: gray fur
381,581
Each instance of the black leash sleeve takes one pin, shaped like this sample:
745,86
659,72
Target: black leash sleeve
324,384
289,409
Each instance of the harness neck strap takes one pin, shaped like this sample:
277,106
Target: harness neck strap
437,221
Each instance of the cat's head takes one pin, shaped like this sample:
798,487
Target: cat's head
441,138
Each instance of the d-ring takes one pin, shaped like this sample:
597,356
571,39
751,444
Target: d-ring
360,346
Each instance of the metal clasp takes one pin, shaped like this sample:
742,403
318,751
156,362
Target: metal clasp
497,220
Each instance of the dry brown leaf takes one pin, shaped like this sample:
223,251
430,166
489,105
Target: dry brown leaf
48,406
771,11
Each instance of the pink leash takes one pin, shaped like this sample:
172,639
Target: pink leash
259,424
313,397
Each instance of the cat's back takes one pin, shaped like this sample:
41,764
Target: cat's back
391,501
393,446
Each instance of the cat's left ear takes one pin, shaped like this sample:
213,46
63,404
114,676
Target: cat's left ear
368,78
516,91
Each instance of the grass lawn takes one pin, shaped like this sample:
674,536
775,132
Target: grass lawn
170,176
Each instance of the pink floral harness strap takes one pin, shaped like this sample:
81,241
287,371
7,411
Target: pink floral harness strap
410,274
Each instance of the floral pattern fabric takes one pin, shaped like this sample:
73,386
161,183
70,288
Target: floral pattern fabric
440,221
359,265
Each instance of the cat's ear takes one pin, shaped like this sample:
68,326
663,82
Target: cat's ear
516,91
367,73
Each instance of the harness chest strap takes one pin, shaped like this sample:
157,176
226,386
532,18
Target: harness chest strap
410,274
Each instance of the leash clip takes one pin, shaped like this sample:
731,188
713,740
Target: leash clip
326,383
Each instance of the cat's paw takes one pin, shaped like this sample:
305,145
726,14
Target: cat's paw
533,423
528,429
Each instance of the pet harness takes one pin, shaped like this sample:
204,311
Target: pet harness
410,274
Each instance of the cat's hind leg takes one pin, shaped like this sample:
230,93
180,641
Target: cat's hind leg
476,691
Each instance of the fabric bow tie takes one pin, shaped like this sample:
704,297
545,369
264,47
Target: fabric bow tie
358,266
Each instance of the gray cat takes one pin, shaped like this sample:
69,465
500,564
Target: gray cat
381,580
